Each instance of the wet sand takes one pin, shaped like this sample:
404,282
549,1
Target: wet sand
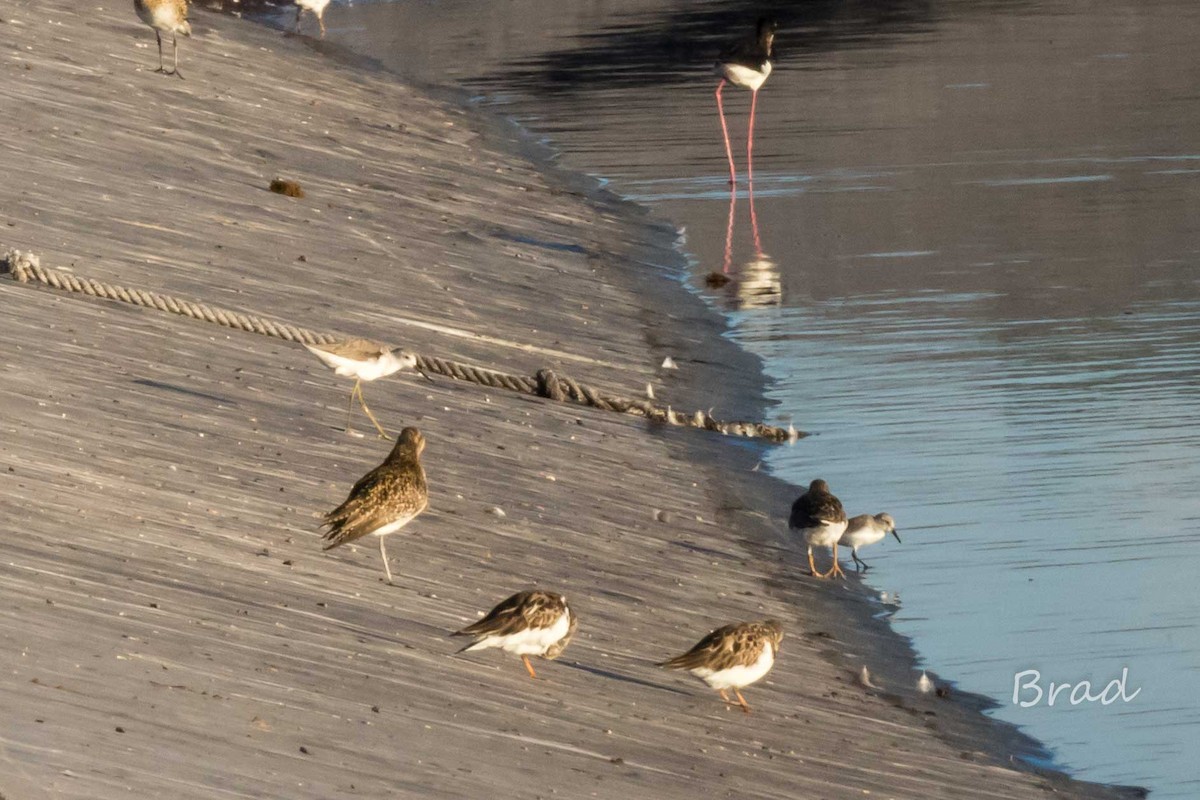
170,623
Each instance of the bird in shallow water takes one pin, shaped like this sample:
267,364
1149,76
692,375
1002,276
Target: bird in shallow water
733,657
746,63
864,530
165,16
363,360
819,518
532,623
385,499
317,7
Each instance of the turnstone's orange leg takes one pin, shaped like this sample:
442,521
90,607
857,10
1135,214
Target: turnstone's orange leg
836,569
812,565
529,667
742,700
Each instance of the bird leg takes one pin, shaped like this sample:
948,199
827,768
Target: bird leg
742,701
321,20
161,68
299,12
837,568
858,561
350,408
175,52
725,133
386,568
750,139
812,565
363,402
529,667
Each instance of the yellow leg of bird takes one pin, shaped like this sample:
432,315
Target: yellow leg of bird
378,427
350,407
386,568
836,569
812,565
742,700
529,667
321,19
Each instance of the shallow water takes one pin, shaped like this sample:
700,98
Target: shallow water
972,265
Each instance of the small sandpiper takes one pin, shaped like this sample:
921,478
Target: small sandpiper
385,499
532,623
165,16
732,657
363,360
317,7
866,529
818,516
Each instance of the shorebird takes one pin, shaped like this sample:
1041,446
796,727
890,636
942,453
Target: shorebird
865,529
532,623
732,657
385,499
363,360
818,516
317,7
746,63
165,16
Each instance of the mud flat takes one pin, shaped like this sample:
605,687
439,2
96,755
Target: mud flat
168,622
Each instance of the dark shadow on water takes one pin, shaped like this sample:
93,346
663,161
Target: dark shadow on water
666,49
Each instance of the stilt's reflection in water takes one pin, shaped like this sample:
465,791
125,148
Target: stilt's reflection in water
756,282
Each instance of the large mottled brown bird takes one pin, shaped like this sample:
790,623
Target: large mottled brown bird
165,16
531,623
818,516
732,657
385,499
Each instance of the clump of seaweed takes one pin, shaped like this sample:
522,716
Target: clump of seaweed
286,188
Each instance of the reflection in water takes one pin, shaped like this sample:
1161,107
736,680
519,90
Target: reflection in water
756,283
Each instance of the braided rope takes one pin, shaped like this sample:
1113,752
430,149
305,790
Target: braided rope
26,268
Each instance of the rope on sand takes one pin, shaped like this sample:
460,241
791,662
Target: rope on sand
26,268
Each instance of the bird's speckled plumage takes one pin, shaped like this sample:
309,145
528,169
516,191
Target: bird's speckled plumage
535,622
733,656
385,499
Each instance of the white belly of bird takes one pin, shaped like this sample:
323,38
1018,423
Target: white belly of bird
825,535
746,77
313,5
861,537
392,527
739,676
529,642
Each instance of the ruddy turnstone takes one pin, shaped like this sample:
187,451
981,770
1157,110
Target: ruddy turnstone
818,516
532,623
746,63
732,657
317,7
385,499
363,360
866,529
165,16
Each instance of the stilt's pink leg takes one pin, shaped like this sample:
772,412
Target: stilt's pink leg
725,133
750,137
